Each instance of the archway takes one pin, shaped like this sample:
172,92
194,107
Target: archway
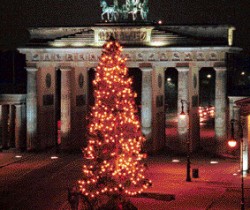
90,96
171,100
206,108
136,75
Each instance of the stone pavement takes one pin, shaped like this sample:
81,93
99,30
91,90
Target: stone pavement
218,185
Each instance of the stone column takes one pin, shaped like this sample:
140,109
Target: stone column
65,108
5,129
236,116
20,140
243,136
31,106
146,97
12,126
182,95
0,127
231,105
245,126
220,109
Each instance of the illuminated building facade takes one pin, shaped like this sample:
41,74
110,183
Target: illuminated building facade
59,61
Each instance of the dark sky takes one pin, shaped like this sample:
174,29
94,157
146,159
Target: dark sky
17,15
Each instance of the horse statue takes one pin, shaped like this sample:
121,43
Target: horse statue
123,12
110,11
133,8
143,8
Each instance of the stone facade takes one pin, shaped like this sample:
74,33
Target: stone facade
64,61
241,115
13,118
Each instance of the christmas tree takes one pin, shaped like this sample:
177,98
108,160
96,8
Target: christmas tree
114,158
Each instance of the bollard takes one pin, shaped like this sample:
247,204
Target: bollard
195,172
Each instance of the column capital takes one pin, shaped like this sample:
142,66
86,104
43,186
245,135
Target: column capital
65,68
19,105
31,69
223,68
146,69
182,68
235,107
46,65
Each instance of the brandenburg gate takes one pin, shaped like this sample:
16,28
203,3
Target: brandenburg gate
59,58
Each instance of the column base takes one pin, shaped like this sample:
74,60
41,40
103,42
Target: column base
147,132
182,142
221,147
147,145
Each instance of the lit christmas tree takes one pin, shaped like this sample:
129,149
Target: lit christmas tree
115,139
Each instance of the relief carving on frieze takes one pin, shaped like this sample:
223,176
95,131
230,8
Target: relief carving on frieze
176,56
47,57
35,57
163,56
200,56
93,57
213,56
128,56
152,57
188,56
81,57
140,57
69,57
133,56
58,57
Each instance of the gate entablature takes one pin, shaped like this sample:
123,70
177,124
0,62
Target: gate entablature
131,34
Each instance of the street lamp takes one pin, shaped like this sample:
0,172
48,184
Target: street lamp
232,143
183,116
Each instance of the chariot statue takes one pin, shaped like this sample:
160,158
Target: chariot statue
137,9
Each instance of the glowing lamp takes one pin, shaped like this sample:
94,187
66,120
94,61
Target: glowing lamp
232,143
182,115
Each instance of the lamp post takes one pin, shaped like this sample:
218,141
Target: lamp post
183,115
232,143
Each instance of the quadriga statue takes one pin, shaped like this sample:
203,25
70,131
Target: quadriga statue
121,13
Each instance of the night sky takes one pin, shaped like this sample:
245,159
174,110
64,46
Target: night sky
17,15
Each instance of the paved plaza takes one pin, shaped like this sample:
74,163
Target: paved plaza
40,181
